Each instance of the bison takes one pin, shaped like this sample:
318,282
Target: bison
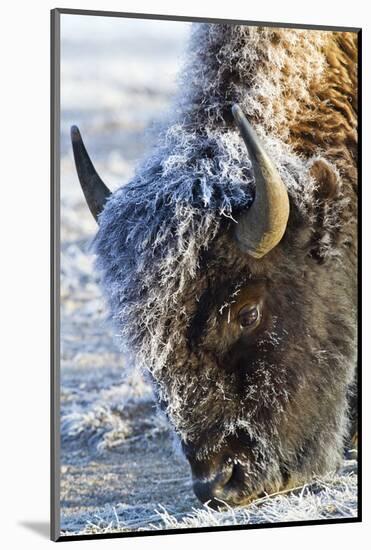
229,260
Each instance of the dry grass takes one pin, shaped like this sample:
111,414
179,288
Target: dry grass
329,498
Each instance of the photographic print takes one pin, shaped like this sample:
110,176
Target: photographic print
205,274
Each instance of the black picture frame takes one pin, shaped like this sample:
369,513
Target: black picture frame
55,271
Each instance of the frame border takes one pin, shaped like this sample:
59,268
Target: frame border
162,17
55,50
55,277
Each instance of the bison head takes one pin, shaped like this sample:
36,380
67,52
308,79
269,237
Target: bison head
246,335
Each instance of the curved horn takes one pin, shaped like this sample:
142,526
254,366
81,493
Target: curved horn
95,191
263,225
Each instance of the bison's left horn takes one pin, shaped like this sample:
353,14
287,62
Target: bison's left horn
263,225
95,191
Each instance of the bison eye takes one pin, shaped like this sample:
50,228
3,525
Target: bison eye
248,316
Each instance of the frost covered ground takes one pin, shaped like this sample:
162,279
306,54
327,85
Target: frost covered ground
119,468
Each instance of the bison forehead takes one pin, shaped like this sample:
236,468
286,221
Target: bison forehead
155,262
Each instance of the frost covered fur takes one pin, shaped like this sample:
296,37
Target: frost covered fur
171,270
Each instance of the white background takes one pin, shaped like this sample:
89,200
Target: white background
24,285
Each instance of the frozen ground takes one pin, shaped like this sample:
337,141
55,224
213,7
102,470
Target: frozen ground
119,469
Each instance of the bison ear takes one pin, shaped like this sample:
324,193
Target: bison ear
327,183
325,206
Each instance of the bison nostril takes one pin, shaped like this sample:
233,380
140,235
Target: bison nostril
212,489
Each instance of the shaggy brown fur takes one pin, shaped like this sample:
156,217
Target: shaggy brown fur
329,123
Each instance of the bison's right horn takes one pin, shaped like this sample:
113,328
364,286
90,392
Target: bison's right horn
263,225
95,191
